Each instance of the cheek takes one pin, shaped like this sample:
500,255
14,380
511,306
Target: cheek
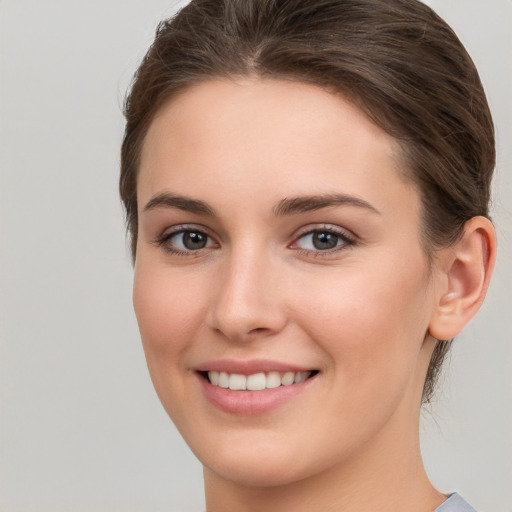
168,312
372,324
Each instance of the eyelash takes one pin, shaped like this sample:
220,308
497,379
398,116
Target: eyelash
163,240
347,240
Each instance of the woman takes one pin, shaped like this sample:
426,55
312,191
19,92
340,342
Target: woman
306,187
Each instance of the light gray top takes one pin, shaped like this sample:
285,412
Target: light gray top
455,503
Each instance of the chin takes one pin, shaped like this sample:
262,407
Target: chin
251,461
261,473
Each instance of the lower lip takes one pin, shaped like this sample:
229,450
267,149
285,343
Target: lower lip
250,403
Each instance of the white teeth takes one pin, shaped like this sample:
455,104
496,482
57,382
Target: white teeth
300,376
273,380
256,381
237,382
223,380
288,378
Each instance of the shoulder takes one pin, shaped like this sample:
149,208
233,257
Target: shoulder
455,503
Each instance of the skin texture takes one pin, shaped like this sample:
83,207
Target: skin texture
360,314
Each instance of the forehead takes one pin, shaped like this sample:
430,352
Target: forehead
259,108
269,137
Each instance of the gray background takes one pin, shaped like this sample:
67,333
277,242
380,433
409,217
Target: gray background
81,428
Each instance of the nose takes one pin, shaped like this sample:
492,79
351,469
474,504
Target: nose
248,301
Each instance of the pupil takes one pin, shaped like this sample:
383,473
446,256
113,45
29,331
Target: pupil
323,241
193,240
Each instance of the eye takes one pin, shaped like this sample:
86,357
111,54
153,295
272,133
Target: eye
323,240
186,241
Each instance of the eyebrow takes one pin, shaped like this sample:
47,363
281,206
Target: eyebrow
288,206
187,204
302,204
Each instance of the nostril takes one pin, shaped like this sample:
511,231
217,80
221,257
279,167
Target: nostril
240,320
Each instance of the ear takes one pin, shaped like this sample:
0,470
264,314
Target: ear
463,274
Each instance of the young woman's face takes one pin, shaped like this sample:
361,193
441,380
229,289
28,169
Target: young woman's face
279,250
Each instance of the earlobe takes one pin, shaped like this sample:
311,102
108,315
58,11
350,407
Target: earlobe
465,273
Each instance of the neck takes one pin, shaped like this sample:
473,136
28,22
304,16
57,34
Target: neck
388,476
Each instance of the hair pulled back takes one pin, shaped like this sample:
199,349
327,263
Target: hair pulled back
395,59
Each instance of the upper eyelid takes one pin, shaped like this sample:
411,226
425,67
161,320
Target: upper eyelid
304,230
331,228
348,239
163,240
171,231
344,233
180,228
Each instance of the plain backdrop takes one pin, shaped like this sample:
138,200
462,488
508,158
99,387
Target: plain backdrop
81,428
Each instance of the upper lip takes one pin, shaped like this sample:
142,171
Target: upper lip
250,367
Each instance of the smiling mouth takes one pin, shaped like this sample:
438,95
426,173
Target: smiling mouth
256,381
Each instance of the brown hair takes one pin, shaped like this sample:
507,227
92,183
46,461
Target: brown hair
395,59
